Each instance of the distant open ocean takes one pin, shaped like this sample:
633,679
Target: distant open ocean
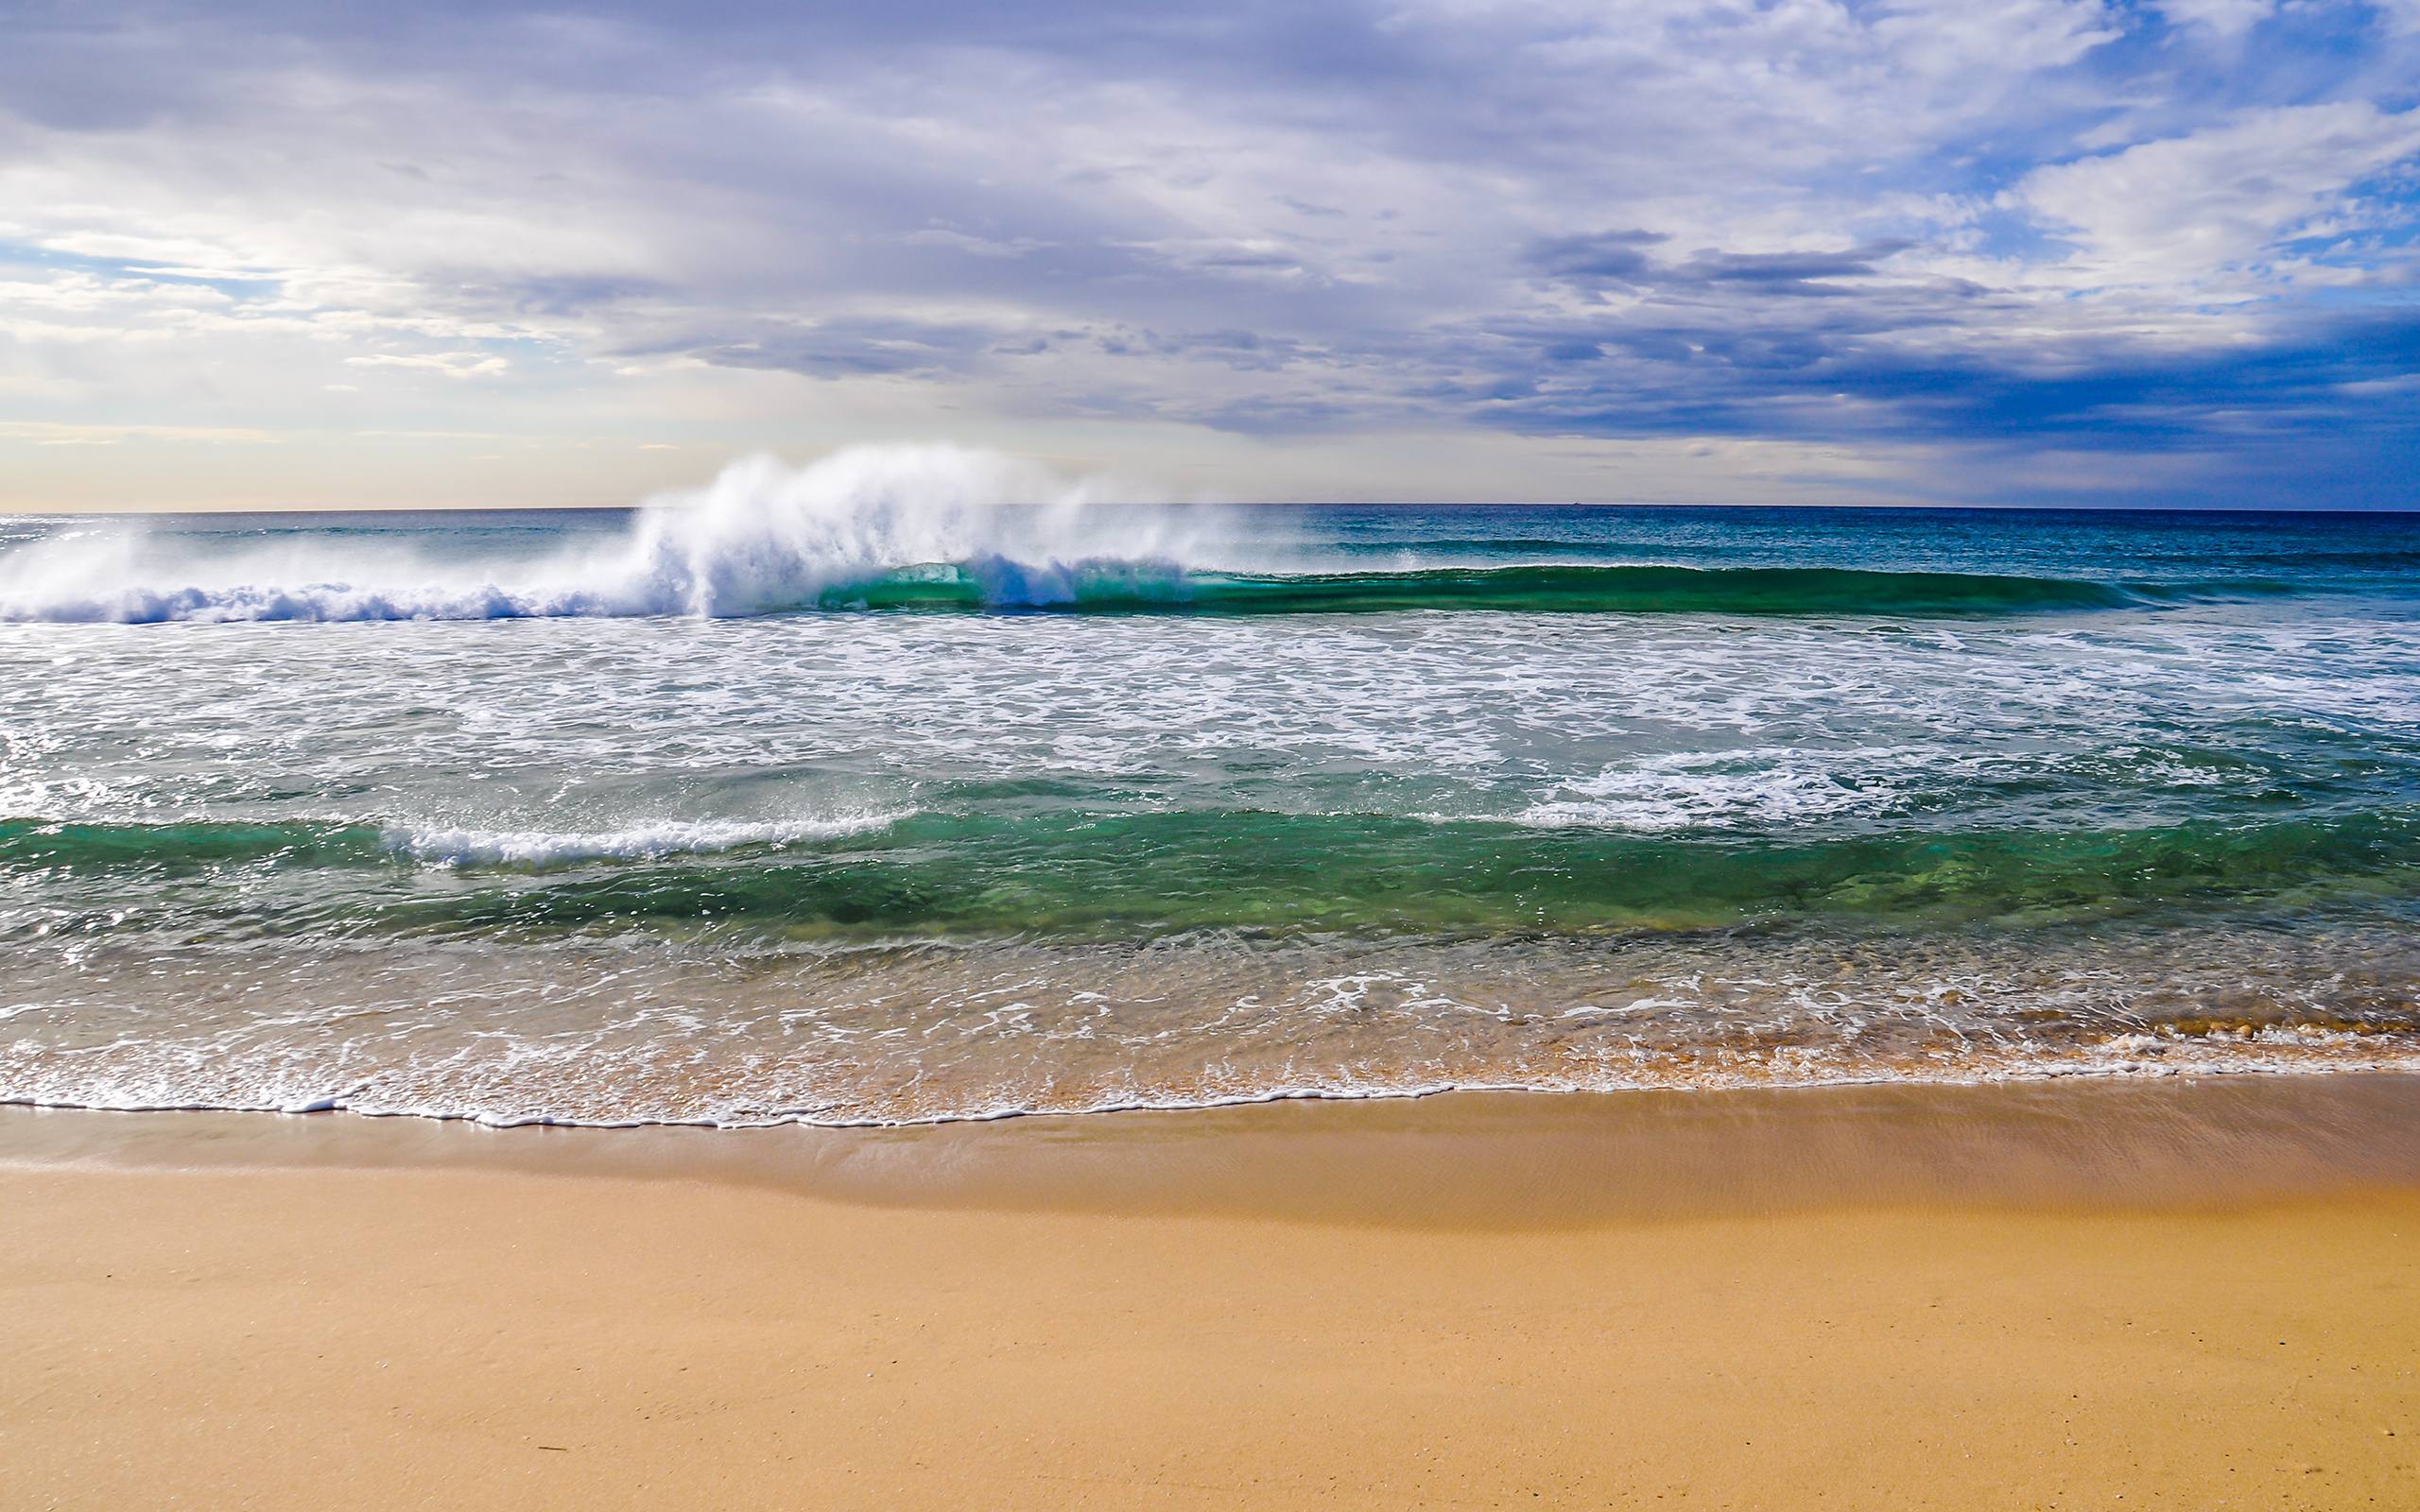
859,797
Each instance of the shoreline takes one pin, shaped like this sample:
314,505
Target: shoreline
1511,1158
2049,1074
2192,1294
2405,1063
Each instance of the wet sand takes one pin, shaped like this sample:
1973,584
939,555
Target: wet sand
2192,1295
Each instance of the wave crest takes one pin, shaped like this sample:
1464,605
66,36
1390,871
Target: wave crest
761,537
933,528
649,842
200,844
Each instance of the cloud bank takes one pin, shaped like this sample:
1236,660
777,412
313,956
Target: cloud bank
2020,251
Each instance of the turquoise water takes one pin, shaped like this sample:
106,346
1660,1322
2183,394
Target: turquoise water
806,801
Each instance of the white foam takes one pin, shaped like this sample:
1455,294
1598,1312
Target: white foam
457,846
1779,1076
1726,789
761,537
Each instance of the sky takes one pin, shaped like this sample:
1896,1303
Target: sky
1981,251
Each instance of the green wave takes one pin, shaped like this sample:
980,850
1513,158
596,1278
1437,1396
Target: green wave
938,874
183,847
1150,873
1129,588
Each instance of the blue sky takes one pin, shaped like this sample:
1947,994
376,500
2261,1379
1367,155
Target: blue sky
2024,251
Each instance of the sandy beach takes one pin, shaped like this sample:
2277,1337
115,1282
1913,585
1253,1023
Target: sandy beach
889,757
2185,1295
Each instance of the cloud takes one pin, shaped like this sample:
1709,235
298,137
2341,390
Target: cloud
447,364
2182,213
2224,18
971,245
851,347
1259,241
1595,257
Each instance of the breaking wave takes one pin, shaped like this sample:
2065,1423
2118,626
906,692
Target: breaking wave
1131,588
929,529
761,537
201,844
648,842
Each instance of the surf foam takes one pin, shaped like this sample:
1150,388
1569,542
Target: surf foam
539,848
761,537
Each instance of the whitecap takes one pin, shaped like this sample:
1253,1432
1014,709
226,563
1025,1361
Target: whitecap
761,537
541,848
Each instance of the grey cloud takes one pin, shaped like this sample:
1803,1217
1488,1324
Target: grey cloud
1790,272
1259,217
1627,258
845,348
1606,256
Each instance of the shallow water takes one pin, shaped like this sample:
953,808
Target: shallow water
862,796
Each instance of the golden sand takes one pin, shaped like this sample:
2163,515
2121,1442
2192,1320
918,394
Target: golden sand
2211,1299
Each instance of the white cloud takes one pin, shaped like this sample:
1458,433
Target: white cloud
2180,213
971,245
2227,18
450,363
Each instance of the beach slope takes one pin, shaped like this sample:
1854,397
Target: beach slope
553,1329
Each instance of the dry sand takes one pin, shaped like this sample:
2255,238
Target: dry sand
2188,1297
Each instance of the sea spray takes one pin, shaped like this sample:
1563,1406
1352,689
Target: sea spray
762,537
949,529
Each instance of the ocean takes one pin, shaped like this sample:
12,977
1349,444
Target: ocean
909,787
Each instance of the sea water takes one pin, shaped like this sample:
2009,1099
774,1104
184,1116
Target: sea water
920,784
